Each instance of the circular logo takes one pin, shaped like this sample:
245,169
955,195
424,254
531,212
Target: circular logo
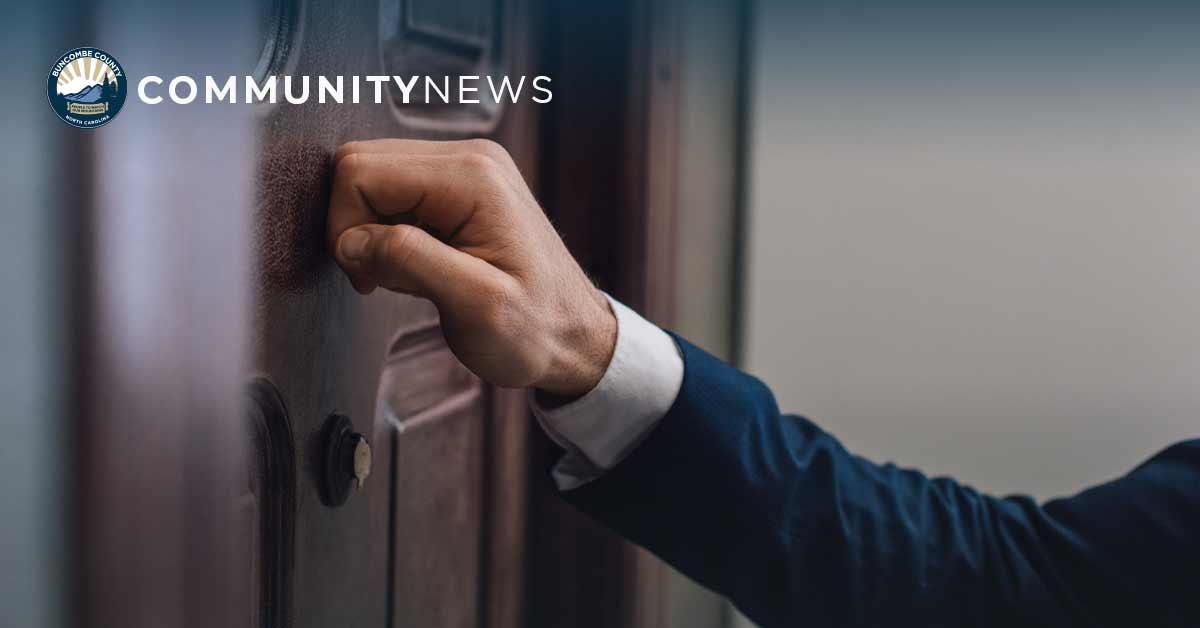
86,87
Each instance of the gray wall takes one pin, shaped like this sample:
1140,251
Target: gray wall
36,247
974,241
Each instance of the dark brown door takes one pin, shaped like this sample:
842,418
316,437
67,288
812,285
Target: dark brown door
435,536
217,337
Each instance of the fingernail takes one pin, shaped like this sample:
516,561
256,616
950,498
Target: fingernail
354,244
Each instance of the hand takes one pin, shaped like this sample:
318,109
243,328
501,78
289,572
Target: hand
516,308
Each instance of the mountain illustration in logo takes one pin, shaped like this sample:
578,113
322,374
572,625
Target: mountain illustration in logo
91,93
88,82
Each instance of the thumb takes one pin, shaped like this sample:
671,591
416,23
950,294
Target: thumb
405,258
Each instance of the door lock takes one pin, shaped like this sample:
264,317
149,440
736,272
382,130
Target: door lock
347,460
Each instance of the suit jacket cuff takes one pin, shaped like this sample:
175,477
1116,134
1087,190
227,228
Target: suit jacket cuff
599,429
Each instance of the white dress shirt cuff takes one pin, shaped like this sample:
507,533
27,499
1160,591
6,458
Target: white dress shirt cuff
599,429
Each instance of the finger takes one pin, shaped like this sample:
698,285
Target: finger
441,191
480,146
407,259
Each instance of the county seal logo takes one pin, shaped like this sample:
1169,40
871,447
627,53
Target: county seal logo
86,87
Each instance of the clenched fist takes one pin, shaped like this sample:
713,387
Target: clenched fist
515,306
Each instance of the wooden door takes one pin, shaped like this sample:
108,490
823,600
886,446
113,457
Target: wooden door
216,337
436,536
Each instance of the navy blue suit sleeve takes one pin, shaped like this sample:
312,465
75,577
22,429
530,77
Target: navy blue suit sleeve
773,512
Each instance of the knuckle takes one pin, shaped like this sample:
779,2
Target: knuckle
346,150
488,175
478,165
489,149
350,166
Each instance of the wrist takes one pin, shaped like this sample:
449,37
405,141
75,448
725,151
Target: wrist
583,351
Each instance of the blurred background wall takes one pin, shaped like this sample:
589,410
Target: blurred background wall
35,252
974,230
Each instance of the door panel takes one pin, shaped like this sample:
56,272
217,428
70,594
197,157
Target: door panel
416,547
430,432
